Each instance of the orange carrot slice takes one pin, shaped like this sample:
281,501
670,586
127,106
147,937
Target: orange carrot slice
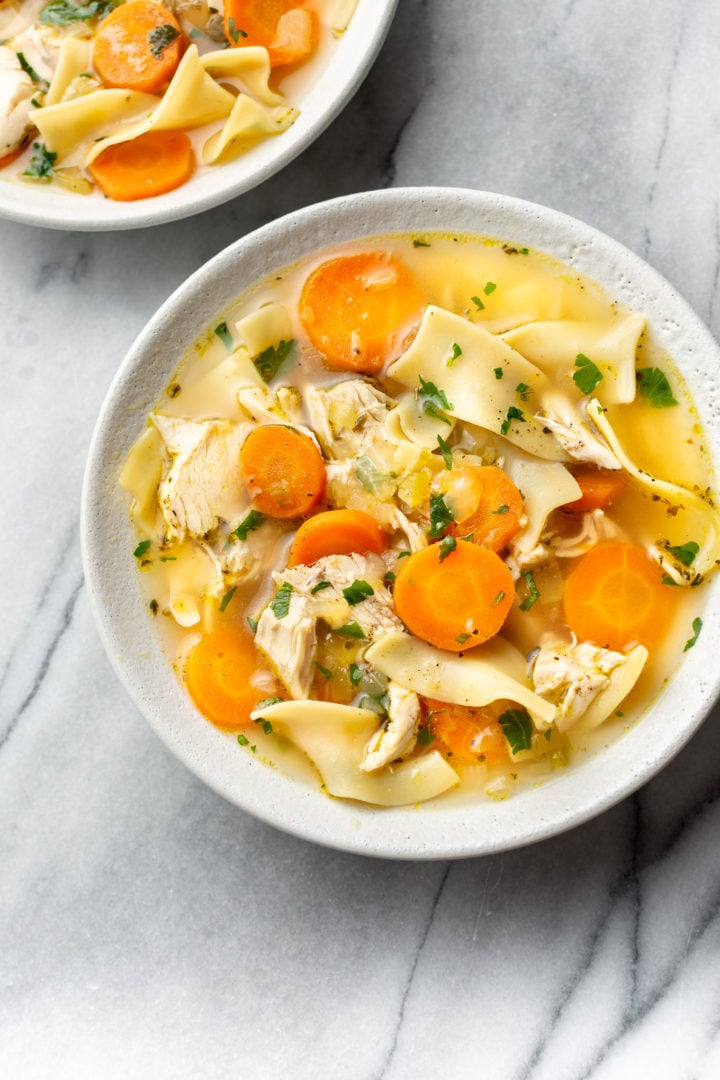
356,308
141,168
138,46
283,471
296,37
454,599
469,733
600,488
615,597
336,532
289,32
217,676
490,504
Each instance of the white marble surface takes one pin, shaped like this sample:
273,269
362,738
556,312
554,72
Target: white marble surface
147,928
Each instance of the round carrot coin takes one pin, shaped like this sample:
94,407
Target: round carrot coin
283,471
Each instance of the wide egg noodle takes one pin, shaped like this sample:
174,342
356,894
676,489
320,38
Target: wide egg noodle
611,345
266,327
249,64
70,124
74,59
335,736
708,557
470,382
192,581
140,476
191,100
248,122
544,485
622,680
216,392
407,420
486,673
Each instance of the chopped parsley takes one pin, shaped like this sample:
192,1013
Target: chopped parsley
29,70
477,302
353,629
324,671
266,725
357,592
225,336
490,288
517,729
533,592
63,12
270,360
235,31
513,413
652,384
501,509
500,596
280,605
456,352
498,372
433,401
403,554
252,623
440,517
420,243
389,579
462,638
268,701
248,524
685,553
697,627
243,740
588,375
356,674
160,37
168,558
447,544
319,587
41,163
446,452
523,390
425,736
142,548
227,597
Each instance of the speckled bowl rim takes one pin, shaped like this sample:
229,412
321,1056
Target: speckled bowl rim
348,63
434,830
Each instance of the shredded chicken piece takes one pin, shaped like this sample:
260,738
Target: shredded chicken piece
16,90
574,433
290,641
396,736
282,407
348,417
203,484
595,526
572,675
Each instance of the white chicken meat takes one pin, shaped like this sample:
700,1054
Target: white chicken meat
572,675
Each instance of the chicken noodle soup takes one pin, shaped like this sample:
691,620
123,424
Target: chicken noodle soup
424,514
128,96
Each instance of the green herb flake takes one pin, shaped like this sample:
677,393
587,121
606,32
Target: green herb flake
252,623
498,372
446,452
425,736
319,587
225,336
440,517
142,548
652,384
548,734
29,70
389,579
352,629
697,627
685,553
368,474
235,31
403,554
667,580
512,414
355,672
523,251
243,740
324,671
280,605
533,592
160,37
517,729
420,243
446,545
500,596
357,592
63,12
227,597
270,360
168,558
588,375
523,390
490,288
478,303
433,401
41,163
456,352
268,701
248,524
462,638
501,509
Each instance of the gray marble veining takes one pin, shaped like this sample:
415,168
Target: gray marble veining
147,928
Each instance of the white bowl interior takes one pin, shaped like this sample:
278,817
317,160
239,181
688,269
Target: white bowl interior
319,103
437,829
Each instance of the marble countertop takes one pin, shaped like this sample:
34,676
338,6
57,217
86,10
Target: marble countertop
148,928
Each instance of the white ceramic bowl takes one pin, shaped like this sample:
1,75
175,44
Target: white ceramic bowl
319,103
435,830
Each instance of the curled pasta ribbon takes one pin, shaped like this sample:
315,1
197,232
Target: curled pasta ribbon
247,124
708,556
250,65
